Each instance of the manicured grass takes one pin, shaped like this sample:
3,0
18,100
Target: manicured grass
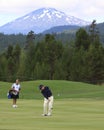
68,114
60,88
77,106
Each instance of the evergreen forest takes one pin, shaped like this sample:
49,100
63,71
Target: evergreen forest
32,57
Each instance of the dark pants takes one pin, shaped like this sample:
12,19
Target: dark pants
14,96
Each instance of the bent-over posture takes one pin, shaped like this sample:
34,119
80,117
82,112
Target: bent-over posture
48,100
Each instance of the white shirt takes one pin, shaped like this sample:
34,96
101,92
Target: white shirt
16,87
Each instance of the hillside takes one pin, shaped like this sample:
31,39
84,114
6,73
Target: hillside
61,29
101,31
60,88
64,33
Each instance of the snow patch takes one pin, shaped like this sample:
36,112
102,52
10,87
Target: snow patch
26,17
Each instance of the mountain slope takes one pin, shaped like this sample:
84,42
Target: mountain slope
41,20
60,29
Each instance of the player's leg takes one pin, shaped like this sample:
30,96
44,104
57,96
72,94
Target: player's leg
14,102
50,105
45,106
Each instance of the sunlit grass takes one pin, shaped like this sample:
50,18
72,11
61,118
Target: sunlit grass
68,114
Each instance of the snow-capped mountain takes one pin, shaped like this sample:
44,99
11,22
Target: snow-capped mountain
41,20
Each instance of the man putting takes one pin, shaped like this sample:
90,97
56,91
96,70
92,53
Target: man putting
48,100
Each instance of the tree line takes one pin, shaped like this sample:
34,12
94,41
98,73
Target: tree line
50,59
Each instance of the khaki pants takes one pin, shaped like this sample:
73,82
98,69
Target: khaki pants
48,105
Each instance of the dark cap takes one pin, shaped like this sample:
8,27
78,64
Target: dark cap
40,86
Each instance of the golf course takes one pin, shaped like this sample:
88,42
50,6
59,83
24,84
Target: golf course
77,106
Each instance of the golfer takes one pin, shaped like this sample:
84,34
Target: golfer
15,92
48,100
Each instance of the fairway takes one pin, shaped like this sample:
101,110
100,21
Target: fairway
68,114
77,106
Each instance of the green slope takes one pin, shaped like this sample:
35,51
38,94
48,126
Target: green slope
60,88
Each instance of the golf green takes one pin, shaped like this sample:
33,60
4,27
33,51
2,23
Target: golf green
68,114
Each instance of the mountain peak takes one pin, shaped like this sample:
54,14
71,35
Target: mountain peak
48,9
41,20
46,12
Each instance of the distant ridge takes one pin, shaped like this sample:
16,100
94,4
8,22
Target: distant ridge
60,29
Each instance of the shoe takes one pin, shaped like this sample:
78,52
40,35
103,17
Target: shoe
49,114
44,115
15,106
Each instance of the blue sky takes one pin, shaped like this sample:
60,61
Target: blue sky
84,9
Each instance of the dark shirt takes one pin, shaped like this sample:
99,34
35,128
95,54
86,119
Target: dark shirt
46,92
